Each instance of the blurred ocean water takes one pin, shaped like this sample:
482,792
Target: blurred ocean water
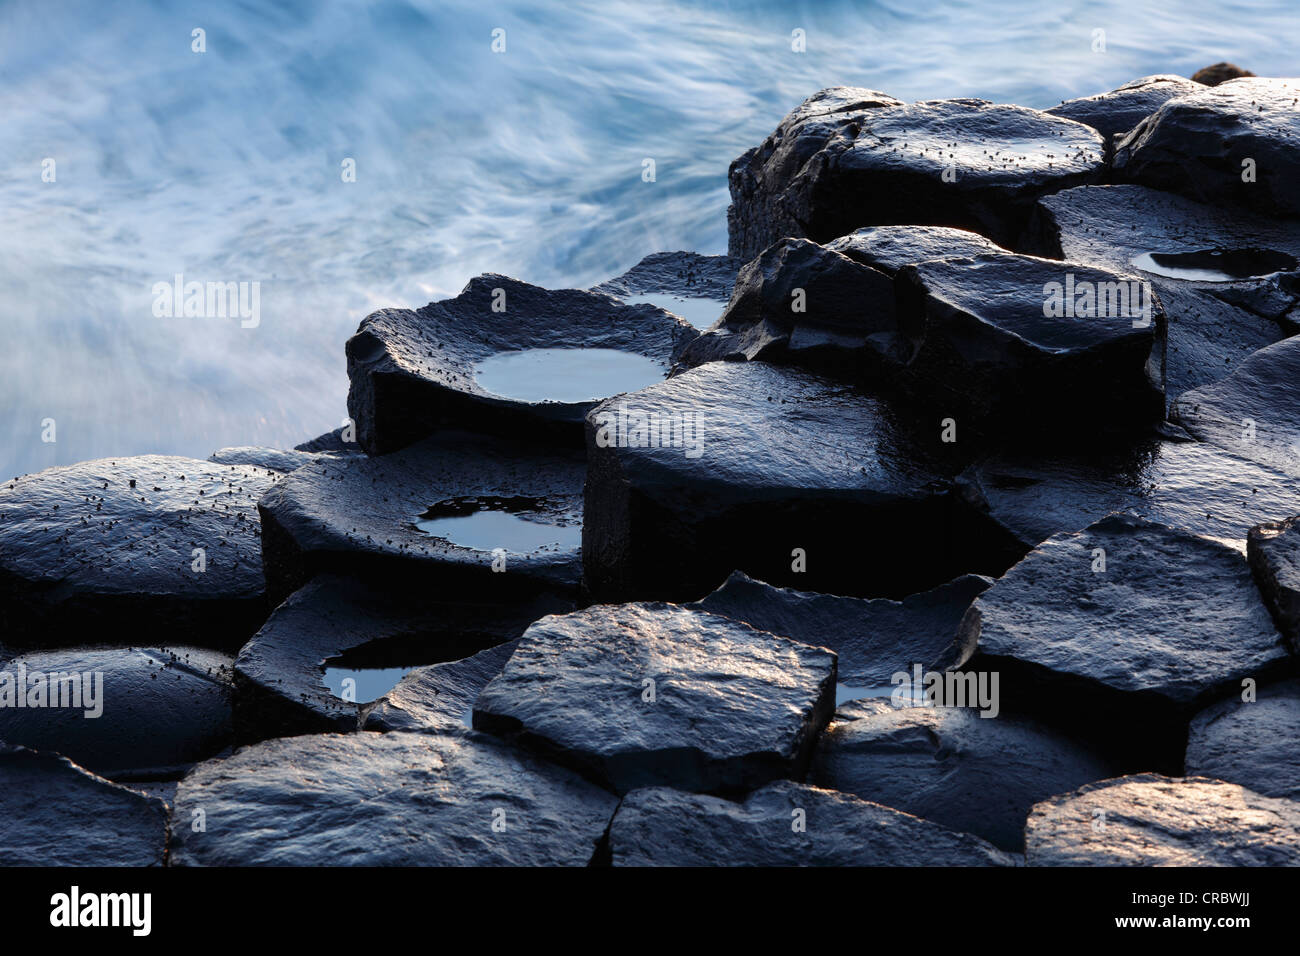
225,166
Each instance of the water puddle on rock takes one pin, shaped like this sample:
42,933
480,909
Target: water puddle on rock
845,693
1215,265
486,524
701,313
566,375
368,684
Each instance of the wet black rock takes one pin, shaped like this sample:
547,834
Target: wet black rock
1218,73
1010,339
137,713
976,774
430,698
414,373
847,158
1255,743
783,824
1254,412
452,798
272,459
350,624
1124,107
889,248
677,281
364,516
874,639
341,440
1212,325
639,695
1119,633
56,814
152,544
1235,144
1150,820
1273,548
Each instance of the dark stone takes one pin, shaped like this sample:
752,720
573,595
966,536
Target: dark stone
1217,73
783,460
686,275
874,639
358,516
1150,820
889,248
1253,743
88,548
662,827
1273,548
279,675
733,708
56,814
435,799
979,775
272,459
847,158
1212,326
1123,108
978,340
1254,412
336,441
1197,144
430,698
413,373
159,709
1172,623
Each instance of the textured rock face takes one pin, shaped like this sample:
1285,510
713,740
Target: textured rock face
360,515
641,695
1212,325
118,542
684,274
413,373
430,698
453,798
1011,338
848,158
1255,411
279,673
803,304
1124,107
272,459
56,814
663,827
1274,551
1253,743
874,639
138,714
1199,145
777,461
1149,820
889,248
1219,73
979,775
1173,622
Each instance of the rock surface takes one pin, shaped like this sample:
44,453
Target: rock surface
680,282
280,673
848,157
56,814
1124,107
361,516
979,775
889,248
1219,72
662,827
430,698
874,639
141,713
452,798
116,543
1273,549
272,459
1149,820
1172,623
413,373
1253,743
641,695
1235,144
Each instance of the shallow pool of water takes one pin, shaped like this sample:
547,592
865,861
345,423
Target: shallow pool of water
489,530
1215,265
701,313
370,683
566,375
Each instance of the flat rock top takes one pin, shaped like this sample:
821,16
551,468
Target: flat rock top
662,827
1124,107
676,273
1173,613
721,687
1261,107
129,526
767,432
272,459
432,697
388,800
1252,743
889,248
56,814
1149,820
